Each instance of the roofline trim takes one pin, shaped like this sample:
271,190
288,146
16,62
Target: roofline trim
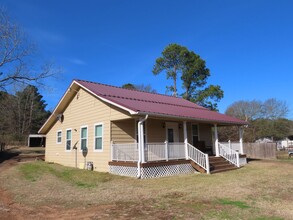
60,101
107,100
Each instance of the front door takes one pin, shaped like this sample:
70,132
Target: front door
172,132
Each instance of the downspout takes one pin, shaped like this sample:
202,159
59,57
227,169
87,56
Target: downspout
140,144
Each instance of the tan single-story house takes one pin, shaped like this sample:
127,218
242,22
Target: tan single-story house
135,133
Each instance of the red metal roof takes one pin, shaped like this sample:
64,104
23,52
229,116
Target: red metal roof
156,104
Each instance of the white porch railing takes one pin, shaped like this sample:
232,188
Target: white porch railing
199,157
164,151
153,151
124,152
229,154
232,145
160,152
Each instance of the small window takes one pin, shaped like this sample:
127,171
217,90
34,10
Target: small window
68,139
59,137
99,137
195,138
83,138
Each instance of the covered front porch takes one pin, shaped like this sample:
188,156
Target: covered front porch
153,147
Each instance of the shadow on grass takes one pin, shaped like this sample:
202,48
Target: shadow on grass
252,159
6,155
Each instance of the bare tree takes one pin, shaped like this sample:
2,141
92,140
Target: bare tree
266,119
16,54
274,109
245,110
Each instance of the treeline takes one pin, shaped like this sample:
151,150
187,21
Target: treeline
266,119
21,114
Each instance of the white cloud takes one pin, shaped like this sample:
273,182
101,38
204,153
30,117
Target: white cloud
77,61
45,36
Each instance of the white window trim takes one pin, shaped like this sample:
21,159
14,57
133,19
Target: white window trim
99,150
87,139
58,136
69,129
171,124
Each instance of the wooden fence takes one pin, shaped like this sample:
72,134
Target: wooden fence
260,150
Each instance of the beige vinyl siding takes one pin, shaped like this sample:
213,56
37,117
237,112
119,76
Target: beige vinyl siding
123,131
155,131
83,110
181,132
116,113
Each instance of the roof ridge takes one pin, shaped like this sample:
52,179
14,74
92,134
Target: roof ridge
165,95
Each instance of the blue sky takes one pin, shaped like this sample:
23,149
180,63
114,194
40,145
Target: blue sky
247,44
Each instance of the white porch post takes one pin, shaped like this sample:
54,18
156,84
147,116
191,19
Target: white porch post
166,151
241,140
185,139
216,141
141,142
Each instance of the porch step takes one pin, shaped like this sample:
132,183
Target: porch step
219,164
197,167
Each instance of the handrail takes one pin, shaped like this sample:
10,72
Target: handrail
198,157
229,154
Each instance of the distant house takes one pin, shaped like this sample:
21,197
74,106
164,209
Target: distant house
135,133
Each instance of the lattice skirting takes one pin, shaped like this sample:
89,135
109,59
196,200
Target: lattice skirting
154,171
166,170
124,170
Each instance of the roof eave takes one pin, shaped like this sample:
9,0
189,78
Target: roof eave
218,122
107,100
55,109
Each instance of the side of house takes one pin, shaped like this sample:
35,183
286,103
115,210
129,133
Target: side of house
85,124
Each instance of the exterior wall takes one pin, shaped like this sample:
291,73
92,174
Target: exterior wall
123,131
156,131
83,110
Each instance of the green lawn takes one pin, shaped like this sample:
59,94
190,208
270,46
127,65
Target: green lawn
260,190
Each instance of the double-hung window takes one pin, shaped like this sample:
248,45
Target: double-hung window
98,137
83,138
68,139
59,137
